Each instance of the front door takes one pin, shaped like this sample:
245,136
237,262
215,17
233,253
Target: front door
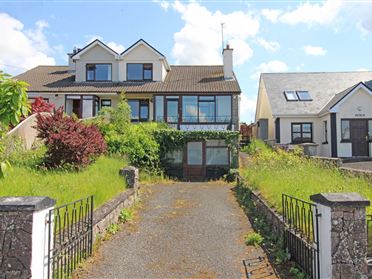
194,167
76,107
358,137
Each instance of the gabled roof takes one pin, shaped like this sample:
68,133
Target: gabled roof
323,88
181,79
90,46
143,42
146,44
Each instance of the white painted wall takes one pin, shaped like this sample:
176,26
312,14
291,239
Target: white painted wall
356,106
97,54
142,54
325,252
318,132
40,234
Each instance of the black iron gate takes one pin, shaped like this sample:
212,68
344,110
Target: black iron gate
70,237
301,234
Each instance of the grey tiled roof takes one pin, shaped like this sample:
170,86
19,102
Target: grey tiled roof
180,79
324,88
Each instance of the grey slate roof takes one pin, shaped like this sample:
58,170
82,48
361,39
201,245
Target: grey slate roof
324,88
180,79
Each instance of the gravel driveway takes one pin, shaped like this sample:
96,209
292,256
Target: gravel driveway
183,230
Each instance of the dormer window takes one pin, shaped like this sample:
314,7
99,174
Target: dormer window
99,72
139,72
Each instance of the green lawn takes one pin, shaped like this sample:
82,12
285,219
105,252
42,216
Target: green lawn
101,179
274,173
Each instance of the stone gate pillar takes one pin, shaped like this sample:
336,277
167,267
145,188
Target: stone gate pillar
24,236
342,235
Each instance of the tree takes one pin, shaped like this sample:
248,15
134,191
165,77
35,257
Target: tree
13,105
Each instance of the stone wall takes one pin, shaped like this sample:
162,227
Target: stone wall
16,240
109,213
235,112
273,218
349,242
359,173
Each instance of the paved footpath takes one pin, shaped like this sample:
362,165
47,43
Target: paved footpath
183,230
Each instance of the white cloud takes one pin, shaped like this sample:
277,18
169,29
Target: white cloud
271,14
362,70
313,13
271,46
274,66
314,50
22,49
199,40
119,48
164,4
247,107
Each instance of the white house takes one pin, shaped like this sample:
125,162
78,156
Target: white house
331,110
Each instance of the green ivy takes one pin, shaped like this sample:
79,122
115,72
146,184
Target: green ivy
172,140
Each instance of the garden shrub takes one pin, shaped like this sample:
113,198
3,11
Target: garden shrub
135,141
40,105
69,142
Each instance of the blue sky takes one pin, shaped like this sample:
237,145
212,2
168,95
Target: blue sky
267,36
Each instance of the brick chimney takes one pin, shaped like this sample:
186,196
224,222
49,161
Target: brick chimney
228,62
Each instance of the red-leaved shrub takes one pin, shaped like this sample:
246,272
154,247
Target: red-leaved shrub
40,105
70,143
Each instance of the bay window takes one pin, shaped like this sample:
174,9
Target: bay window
194,109
189,109
207,106
172,109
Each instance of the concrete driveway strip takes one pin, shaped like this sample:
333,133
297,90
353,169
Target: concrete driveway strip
184,230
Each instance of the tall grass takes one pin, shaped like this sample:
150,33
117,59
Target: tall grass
100,179
276,172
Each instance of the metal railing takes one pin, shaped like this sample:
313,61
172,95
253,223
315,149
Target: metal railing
301,233
70,237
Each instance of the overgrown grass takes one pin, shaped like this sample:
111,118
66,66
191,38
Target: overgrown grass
100,179
276,172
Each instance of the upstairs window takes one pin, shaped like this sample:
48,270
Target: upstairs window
291,95
98,72
138,72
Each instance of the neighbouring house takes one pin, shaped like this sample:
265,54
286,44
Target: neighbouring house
329,113
186,97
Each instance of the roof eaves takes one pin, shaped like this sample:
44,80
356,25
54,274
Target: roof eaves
96,41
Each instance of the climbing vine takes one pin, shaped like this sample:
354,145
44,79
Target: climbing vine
171,140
